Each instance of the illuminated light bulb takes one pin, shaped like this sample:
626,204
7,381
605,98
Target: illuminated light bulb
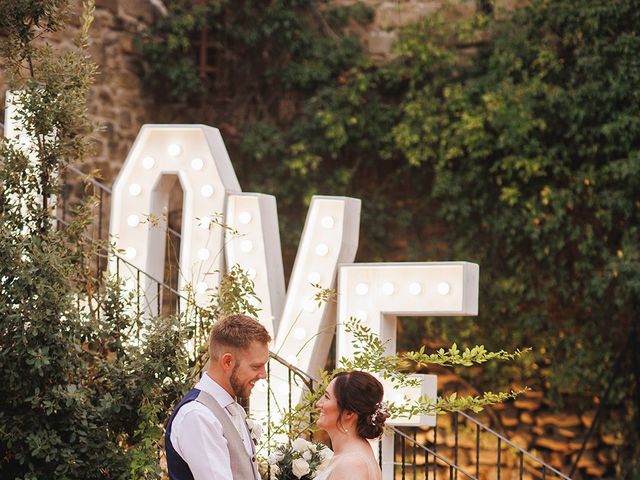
444,288
328,222
362,289
310,306
133,220
300,333
174,150
314,277
135,189
148,162
205,222
322,250
197,164
203,254
251,273
246,246
201,287
388,288
415,288
244,217
206,191
130,253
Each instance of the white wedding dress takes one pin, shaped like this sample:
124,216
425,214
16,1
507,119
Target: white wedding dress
374,472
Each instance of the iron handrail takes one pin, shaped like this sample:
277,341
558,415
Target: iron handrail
502,438
435,455
101,186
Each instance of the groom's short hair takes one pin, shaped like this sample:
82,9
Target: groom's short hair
236,332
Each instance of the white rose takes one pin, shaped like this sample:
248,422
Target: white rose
313,447
275,457
307,455
300,445
300,467
326,453
254,428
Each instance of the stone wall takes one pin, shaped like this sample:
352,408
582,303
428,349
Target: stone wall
390,16
118,102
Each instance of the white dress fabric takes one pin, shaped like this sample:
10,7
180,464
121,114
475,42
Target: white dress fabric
374,472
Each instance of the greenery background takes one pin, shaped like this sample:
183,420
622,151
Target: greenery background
511,141
508,140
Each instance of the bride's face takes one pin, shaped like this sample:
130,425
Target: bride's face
329,410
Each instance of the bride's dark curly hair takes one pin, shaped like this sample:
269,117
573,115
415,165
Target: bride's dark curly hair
361,393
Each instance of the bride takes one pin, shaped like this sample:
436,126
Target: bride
351,411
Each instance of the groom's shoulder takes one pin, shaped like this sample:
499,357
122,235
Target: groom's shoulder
192,413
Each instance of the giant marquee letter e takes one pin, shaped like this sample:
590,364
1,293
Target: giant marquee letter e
375,293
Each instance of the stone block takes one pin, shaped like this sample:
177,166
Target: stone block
525,403
553,442
522,439
510,418
596,470
588,417
391,15
568,432
576,444
140,10
558,419
612,439
109,5
381,43
527,418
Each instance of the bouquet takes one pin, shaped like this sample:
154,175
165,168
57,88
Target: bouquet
298,460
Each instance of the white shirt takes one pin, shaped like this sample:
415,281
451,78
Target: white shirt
196,435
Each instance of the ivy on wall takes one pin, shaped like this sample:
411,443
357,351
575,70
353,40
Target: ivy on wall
512,142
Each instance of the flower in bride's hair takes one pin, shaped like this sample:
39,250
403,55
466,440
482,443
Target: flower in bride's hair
300,467
300,445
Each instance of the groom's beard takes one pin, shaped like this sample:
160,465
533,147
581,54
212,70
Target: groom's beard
242,391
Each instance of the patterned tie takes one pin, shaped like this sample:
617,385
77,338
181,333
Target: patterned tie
238,418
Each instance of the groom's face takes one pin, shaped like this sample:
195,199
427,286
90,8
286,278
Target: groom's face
249,368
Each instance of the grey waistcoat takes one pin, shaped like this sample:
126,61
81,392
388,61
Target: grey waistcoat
243,466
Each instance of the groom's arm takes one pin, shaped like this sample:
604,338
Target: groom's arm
197,437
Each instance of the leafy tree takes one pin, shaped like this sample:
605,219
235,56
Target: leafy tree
79,399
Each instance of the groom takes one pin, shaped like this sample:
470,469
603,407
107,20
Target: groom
207,436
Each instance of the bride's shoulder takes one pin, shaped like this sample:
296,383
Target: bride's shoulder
354,464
